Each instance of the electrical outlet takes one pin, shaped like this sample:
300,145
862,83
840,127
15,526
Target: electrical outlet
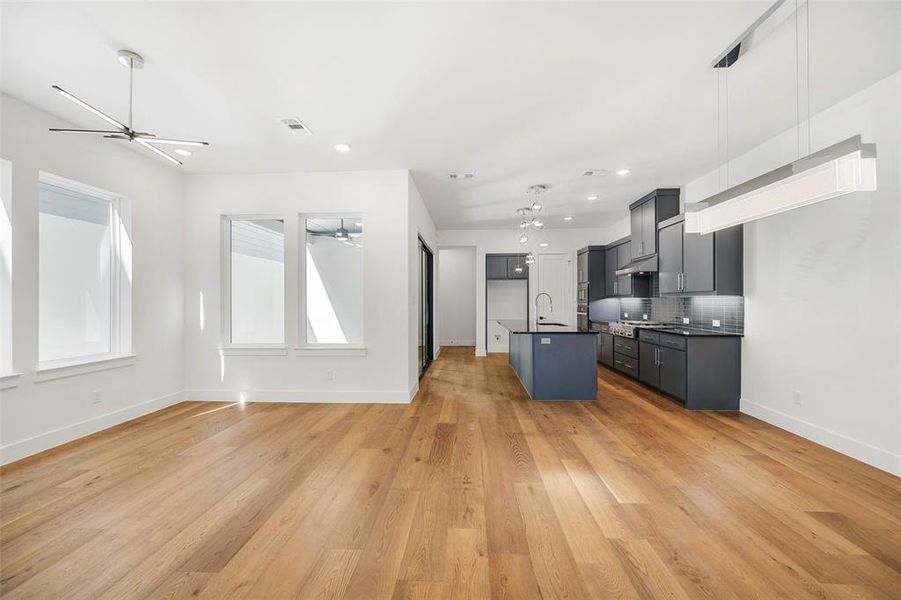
716,322
797,397
645,317
686,320
625,315
95,397
330,375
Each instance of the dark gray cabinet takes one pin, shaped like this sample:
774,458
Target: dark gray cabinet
495,267
648,369
605,348
591,271
645,214
672,371
669,259
703,371
610,259
503,266
517,261
695,264
618,255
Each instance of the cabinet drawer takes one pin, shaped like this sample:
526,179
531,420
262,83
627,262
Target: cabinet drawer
625,346
673,341
651,337
625,364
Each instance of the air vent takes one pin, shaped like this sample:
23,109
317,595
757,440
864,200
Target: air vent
596,173
461,175
295,124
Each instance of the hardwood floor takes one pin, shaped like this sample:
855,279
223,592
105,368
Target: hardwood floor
470,491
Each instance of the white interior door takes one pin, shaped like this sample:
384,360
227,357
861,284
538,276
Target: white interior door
555,278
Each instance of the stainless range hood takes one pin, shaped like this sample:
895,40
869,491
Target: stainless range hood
640,266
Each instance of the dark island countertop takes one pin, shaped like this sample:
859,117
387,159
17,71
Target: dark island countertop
524,326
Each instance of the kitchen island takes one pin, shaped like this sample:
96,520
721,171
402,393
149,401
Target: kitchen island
553,362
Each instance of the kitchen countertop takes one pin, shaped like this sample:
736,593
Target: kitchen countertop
524,326
691,331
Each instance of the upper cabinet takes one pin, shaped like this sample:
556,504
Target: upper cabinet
646,213
618,255
591,273
503,266
695,264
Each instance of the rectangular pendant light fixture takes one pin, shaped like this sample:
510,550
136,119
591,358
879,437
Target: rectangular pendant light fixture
846,167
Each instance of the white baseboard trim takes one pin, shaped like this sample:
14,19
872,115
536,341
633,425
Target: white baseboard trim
56,437
457,342
481,352
414,390
871,455
317,396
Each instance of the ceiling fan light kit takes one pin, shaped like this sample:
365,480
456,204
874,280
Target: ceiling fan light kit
133,61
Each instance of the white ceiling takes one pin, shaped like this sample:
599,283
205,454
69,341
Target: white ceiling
519,93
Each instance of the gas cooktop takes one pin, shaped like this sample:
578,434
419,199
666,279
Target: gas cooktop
630,329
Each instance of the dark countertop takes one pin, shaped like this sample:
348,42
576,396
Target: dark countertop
691,331
524,326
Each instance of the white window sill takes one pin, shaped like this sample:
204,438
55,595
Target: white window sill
58,369
9,381
330,351
253,350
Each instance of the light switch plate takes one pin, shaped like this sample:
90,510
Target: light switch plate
645,317
626,315
716,322
686,320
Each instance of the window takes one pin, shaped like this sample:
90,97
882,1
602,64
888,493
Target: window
333,281
84,273
6,269
256,251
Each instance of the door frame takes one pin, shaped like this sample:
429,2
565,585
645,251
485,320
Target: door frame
430,301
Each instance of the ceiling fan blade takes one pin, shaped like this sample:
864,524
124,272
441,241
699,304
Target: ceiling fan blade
158,151
90,108
156,140
94,131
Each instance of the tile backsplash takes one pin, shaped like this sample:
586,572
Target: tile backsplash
700,310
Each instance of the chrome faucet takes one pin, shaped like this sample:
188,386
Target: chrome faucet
538,316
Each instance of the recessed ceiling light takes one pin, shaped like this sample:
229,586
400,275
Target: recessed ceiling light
342,147
622,171
543,244
592,198
182,152
568,218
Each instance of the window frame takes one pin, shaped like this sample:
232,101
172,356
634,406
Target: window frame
9,377
303,348
121,282
226,346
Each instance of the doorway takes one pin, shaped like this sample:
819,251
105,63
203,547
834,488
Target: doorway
426,307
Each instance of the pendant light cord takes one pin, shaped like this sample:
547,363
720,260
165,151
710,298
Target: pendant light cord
131,78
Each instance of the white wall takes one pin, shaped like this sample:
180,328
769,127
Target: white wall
381,198
456,280
500,241
822,297
39,415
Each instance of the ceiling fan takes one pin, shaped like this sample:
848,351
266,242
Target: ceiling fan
126,132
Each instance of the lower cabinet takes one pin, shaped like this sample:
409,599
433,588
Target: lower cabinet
703,372
605,349
648,367
672,372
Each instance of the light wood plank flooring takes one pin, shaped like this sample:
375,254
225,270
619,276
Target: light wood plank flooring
471,491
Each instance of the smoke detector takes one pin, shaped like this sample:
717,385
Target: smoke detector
296,125
596,173
461,175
